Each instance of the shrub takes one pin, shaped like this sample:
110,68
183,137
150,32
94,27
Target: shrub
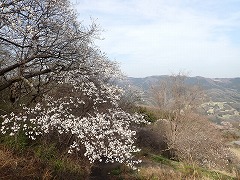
17,142
89,117
192,139
149,115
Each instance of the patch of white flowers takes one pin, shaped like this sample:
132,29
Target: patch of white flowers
104,133
90,110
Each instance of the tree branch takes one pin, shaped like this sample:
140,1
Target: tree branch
14,66
20,78
13,43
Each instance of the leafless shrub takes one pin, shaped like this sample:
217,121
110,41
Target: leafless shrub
175,96
194,140
151,140
184,135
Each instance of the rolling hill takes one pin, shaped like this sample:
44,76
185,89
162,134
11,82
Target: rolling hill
223,94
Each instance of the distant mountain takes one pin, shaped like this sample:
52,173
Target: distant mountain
218,89
206,83
223,93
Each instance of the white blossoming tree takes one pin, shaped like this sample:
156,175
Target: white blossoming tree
42,37
82,112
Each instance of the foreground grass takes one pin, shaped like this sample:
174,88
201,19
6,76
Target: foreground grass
21,159
29,166
156,167
45,163
178,170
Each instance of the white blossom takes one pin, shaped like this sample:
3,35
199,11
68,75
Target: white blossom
103,133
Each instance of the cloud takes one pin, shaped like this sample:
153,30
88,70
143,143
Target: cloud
160,37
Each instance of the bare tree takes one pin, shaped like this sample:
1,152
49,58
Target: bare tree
188,136
41,38
174,95
175,98
195,141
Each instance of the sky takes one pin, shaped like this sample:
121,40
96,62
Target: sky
162,37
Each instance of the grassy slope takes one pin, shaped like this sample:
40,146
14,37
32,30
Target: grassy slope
43,164
37,162
168,169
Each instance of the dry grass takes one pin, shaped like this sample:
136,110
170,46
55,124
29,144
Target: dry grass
46,165
232,174
16,167
236,151
166,173
159,173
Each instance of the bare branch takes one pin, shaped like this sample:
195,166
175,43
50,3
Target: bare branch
13,43
17,79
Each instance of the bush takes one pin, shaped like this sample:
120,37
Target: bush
88,119
192,139
198,141
148,139
149,116
18,142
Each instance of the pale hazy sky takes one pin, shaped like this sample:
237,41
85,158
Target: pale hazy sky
155,37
